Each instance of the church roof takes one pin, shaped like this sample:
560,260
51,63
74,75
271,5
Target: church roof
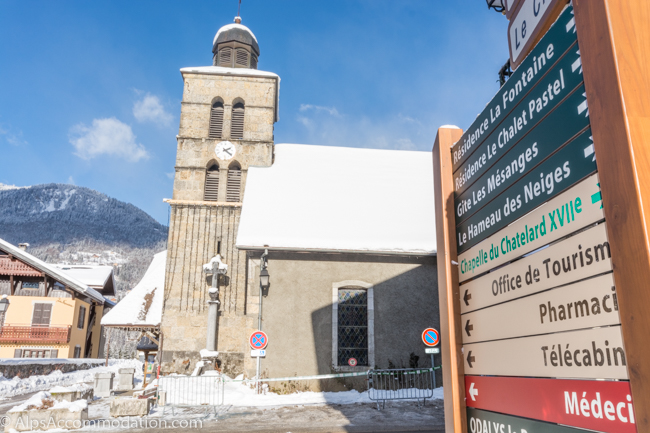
324,198
143,306
235,32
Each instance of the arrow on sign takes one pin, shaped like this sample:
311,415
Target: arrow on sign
468,328
577,64
571,24
595,198
589,150
467,297
583,106
473,392
470,359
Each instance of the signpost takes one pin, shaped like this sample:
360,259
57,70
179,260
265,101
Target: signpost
606,406
542,275
430,337
258,340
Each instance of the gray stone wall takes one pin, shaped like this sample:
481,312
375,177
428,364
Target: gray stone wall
297,313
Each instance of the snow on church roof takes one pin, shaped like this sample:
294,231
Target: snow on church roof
324,198
144,304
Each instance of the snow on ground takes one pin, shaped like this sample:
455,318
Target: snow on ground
18,386
36,402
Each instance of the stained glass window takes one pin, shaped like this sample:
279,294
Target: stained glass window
353,326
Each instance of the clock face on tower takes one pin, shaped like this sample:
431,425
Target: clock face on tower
225,150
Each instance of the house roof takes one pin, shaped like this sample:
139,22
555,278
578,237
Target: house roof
96,276
325,198
51,271
142,307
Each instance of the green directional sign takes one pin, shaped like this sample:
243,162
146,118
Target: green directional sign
541,59
481,421
569,165
548,94
563,124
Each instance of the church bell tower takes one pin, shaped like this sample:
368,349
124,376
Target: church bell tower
228,113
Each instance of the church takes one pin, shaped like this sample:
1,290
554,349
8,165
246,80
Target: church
331,251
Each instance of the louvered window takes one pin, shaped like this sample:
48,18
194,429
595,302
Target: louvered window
253,62
225,57
237,126
234,185
241,58
42,314
211,192
216,120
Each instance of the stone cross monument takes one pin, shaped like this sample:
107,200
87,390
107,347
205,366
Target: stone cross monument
215,267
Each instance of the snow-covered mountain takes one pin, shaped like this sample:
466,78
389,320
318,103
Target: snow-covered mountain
66,214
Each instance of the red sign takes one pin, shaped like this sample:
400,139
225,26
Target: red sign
352,362
605,406
430,337
258,340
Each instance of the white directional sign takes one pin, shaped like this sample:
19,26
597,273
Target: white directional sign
580,256
585,304
572,210
589,353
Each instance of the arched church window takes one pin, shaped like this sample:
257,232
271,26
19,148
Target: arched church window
352,326
211,191
241,57
216,119
237,125
225,57
233,189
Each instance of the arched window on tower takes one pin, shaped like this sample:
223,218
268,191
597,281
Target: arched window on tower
211,191
233,189
216,119
237,122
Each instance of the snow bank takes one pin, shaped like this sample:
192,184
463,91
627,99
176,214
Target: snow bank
72,388
18,386
36,402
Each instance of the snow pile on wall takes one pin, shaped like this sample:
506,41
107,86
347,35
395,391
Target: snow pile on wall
340,199
18,386
143,305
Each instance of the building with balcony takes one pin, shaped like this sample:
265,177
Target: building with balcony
51,311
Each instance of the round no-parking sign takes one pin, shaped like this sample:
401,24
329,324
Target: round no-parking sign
430,337
258,340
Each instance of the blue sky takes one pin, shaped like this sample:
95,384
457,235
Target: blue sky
90,90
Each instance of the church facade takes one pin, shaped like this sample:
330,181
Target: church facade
353,274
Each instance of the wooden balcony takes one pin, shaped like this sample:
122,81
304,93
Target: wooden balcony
35,334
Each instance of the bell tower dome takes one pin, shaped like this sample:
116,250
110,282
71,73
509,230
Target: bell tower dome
235,46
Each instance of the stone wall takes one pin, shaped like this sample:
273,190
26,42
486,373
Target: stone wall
23,369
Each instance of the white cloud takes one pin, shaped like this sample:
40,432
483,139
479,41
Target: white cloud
106,137
150,109
171,175
399,132
71,181
332,111
15,139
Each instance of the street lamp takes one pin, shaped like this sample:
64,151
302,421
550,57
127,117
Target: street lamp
497,5
264,279
264,273
4,304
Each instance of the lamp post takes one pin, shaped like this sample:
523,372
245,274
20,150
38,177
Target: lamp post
497,5
264,287
4,306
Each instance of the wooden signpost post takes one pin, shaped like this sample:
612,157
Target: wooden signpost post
542,209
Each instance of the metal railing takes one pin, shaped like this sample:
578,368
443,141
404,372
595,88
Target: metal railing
401,384
35,334
190,391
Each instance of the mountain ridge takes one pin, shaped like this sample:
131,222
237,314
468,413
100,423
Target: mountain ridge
65,214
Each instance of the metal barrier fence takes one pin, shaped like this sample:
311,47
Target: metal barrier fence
190,391
401,384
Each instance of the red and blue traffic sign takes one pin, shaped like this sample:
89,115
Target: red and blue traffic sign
258,340
430,337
